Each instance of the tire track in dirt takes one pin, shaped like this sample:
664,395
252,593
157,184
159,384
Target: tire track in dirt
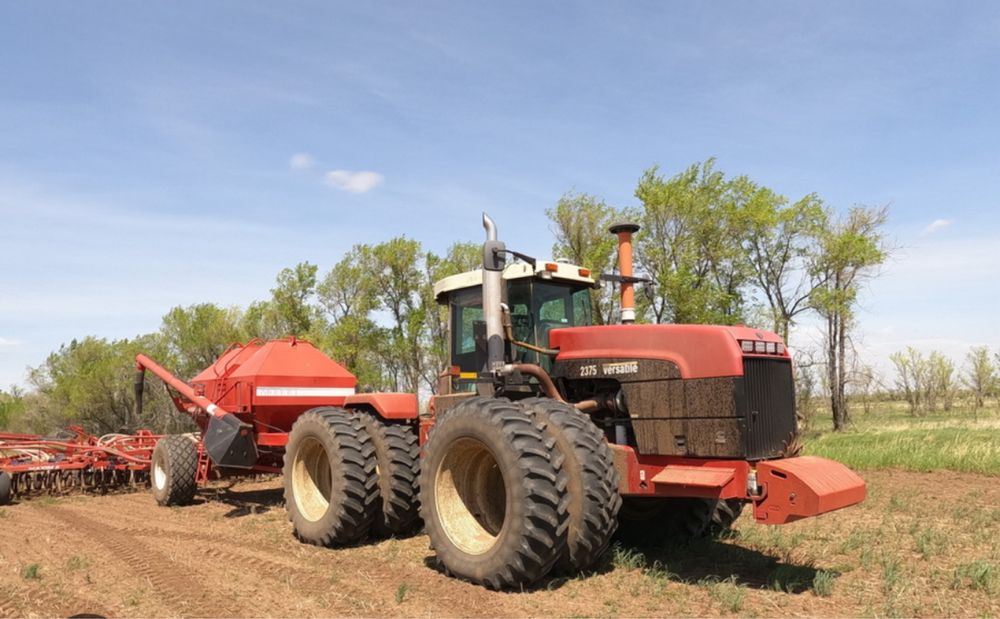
307,580
51,604
7,610
167,534
184,594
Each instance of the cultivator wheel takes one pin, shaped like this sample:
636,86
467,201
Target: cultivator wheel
6,488
174,470
489,494
397,456
588,479
329,475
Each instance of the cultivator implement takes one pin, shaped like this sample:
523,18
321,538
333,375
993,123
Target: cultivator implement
73,461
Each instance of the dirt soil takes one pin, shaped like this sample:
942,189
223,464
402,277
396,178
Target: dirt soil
922,545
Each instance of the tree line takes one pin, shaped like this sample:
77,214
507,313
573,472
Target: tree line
717,249
931,383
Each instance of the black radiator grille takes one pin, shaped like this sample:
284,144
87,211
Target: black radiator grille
770,401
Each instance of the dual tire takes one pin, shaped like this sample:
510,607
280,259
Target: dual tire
511,491
348,475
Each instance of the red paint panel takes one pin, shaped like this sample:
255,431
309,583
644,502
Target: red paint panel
696,476
796,488
272,439
666,476
387,405
700,351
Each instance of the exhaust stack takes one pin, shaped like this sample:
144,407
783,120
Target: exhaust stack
625,232
494,261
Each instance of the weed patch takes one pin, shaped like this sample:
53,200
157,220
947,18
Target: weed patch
31,572
728,593
978,575
822,584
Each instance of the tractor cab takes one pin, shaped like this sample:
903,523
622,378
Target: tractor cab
540,298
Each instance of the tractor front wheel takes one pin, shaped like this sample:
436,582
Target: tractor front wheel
489,494
329,475
174,470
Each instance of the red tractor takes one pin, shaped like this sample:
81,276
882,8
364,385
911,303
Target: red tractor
549,433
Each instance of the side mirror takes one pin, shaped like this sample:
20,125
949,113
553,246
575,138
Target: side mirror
494,255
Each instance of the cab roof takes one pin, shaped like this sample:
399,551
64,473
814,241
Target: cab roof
549,270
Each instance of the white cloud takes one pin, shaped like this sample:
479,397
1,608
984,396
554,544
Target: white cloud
936,225
301,161
5,343
355,182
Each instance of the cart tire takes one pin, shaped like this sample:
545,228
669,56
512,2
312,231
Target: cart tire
174,470
589,477
397,456
489,494
331,489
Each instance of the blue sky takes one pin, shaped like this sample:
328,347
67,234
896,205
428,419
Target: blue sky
148,150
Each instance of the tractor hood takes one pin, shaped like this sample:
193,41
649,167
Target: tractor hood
698,351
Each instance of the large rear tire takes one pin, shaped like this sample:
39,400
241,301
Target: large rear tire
589,477
489,495
397,456
329,476
174,470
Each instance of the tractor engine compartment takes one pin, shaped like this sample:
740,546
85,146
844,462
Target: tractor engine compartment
662,401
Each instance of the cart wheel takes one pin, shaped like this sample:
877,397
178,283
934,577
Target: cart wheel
5,488
174,470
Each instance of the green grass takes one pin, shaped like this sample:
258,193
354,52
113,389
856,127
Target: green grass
977,575
963,449
31,572
822,584
727,593
77,562
401,592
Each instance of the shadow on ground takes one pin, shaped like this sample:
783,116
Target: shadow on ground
245,502
695,562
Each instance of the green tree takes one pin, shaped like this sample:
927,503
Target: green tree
459,258
289,311
849,252
397,269
195,336
12,406
941,381
980,376
90,382
690,245
911,377
581,225
779,239
348,294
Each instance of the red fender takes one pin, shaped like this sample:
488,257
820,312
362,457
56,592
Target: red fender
385,405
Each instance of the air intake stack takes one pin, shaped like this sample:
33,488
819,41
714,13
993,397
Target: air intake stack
625,232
